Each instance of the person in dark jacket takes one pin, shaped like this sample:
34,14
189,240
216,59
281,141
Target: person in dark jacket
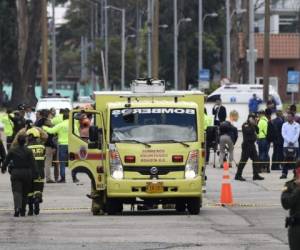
228,137
277,156
249,130
18,119
50,145
290,200
22,167
35,197
219,112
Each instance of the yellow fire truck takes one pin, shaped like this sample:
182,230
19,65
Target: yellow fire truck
144,146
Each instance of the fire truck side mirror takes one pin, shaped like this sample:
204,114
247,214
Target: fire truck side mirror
95,137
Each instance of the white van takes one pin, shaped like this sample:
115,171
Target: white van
242,93
237,96
54,102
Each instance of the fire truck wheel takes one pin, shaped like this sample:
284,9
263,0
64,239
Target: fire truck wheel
113,206
193,206
180,206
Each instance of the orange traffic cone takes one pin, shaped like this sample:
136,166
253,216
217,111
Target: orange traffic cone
226,193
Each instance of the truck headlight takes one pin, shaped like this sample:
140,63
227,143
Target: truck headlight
116,168
191,167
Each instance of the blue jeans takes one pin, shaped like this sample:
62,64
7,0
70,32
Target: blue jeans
263,152
63,157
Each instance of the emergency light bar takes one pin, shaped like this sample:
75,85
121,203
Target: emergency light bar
148,86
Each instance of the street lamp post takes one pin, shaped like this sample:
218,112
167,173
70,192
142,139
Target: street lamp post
200,40
200,48
176,32
123,44
53,49
126,40
228,45
149,37
106,40
175,46
252,55
176,50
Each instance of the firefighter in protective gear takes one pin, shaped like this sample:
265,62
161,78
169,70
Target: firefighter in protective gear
35,197
21,166
290,200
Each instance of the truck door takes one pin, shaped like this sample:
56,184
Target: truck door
86,146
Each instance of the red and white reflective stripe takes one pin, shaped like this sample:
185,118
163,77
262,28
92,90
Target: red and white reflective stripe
225,172
226,181
92,156
226,177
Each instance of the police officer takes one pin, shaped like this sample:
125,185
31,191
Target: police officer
18,119
290,200
249,130
35,197
2,152
262,142
21,167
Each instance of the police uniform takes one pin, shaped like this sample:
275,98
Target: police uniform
290,200
21,167
263,144
248,151
2,152
35,197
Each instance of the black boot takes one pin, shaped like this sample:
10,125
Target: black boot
257,177
37,208
23,212
30,212
283,176
239,178
62,180
17,212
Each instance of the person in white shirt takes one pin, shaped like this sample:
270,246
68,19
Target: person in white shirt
290,133
29,114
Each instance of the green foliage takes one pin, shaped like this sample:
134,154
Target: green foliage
8,38
78,25
188,37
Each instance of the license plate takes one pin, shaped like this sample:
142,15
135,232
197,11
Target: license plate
154,187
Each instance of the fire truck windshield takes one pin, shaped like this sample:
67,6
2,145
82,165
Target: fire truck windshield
153,125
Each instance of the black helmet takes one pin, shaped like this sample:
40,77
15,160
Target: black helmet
21,107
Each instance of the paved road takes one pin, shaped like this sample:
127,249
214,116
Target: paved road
255,222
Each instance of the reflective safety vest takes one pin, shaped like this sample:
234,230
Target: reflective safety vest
262,128
208,121
38,151
62,131
57,119
8,124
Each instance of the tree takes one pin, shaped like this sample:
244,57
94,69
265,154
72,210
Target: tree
23,38
79,24
188,40
8,40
